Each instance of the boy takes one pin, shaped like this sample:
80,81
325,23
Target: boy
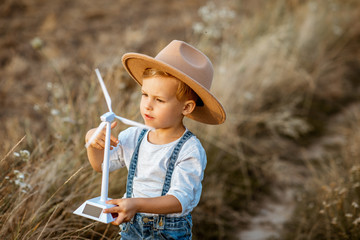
166,165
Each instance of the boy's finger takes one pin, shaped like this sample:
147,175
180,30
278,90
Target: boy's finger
111,201
119,219
113,124
97,146
115,201
114,140
115,209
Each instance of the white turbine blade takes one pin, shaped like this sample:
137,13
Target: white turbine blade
133,123
96,133
103,87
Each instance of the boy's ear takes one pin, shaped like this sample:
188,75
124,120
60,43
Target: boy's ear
189,107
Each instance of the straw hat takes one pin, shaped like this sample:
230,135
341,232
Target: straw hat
189,65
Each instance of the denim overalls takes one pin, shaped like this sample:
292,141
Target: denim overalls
144,226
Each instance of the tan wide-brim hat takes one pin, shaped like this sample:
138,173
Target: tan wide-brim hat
189,65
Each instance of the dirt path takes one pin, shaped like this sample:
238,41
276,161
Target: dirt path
276,210
269,222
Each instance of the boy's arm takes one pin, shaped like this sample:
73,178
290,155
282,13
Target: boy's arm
95,151
95,157
127,207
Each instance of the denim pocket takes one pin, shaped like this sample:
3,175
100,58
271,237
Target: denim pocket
178,234
177,230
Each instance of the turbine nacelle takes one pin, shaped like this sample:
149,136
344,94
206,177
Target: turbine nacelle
108,117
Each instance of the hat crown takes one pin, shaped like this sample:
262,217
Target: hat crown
189,61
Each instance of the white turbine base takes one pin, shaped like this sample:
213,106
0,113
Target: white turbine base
94,209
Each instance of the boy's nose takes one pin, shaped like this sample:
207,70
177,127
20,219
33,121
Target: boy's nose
148,105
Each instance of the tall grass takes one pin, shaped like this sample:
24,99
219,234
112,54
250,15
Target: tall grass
282,68
42,188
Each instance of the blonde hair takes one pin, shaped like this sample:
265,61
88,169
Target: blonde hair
184,92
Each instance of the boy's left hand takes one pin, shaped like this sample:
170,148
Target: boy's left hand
126,209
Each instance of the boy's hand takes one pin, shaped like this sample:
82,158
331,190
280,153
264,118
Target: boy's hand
99,141
126,209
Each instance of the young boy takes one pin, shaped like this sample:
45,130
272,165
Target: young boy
165,165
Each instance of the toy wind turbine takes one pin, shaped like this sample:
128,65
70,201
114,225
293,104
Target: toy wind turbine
94,207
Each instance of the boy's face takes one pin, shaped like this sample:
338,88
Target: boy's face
159,106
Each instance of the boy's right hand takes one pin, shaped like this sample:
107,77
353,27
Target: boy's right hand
99,141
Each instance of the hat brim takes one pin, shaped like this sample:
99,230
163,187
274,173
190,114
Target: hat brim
211,113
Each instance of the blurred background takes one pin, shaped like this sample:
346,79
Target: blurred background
285,164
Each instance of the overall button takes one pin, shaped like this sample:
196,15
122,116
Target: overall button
145,220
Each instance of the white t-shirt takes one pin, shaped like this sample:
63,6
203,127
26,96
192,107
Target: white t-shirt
152,165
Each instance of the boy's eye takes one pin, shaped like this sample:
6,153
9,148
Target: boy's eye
144,94
160,100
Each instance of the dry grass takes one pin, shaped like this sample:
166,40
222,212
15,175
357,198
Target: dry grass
282,69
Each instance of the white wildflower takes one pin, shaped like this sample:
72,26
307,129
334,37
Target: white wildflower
122,85
25,155
37,43
68,120
58,135
248,96
198,27
54,112
215,19
356,221
342,191
355,168
20,181
49,86
36,107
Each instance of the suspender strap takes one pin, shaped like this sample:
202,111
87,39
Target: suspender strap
173,159
133,164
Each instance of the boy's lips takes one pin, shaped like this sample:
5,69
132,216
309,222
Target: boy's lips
148,116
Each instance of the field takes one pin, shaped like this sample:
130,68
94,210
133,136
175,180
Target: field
285,164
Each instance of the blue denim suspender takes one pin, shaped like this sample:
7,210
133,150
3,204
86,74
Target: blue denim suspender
133,164
173,158
170,169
